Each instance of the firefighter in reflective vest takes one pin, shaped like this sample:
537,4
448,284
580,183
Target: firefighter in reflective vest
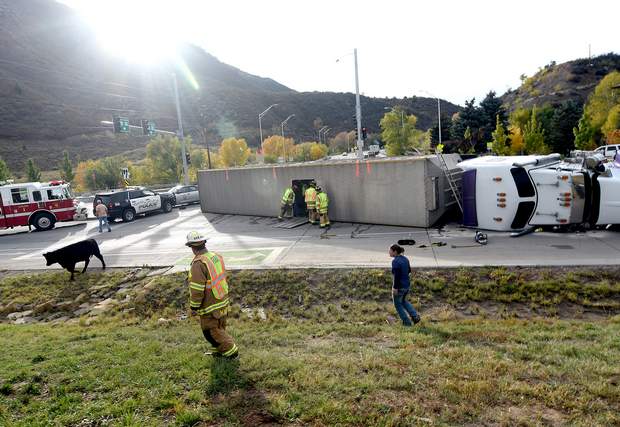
310,196
322,202
286,206
209,296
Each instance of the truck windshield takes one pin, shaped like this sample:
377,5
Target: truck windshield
524,212
523,183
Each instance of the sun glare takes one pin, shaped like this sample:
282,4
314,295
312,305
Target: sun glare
136,31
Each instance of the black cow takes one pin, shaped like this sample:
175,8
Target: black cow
70,255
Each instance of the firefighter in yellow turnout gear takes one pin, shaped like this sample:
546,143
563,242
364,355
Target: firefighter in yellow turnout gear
209,295
322,203
310,197
286,205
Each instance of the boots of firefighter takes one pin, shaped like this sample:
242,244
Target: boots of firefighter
282,211
214,331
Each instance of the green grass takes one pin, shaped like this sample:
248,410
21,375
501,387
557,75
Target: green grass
330,351
139,372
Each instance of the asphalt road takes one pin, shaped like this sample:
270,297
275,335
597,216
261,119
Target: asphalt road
254,242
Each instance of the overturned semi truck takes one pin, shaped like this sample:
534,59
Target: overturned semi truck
406,191
513,193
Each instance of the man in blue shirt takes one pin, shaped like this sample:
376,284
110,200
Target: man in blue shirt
401,286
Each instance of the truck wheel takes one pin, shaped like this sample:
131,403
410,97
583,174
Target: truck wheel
129,215
167,206
43,221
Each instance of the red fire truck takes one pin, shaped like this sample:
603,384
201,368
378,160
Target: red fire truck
36,204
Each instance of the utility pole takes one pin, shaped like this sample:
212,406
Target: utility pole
208,149
358,111
180,130
439,118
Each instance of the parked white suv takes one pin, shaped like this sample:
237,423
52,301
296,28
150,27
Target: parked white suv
608,151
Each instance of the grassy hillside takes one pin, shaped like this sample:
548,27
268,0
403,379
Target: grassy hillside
555,83
495,347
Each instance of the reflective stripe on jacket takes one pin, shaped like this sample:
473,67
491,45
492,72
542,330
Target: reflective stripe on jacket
310,196
322,202
288,196
217,299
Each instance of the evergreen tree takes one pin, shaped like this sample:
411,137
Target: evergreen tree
560,136
491,108
66,169
471,117
5,173
32,171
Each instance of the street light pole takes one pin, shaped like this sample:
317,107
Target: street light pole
285,121
260,125
284,142
358,111
321,130
180,130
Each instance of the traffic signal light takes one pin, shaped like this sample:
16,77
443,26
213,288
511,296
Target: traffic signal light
148,127
187,158
357,135
121,124
364,133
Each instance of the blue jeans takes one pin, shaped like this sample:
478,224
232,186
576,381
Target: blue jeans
103,220
404,307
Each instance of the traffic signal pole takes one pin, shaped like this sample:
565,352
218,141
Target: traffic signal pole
358,111
180,135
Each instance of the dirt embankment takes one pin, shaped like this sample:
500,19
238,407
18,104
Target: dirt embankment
583,293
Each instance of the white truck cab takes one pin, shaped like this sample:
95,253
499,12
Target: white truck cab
512,193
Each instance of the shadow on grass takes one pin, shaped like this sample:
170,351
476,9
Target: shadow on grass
236,397
438,335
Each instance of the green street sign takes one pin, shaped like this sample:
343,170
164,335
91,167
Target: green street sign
148,127
121,124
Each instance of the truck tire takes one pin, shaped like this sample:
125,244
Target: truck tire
43,221
129,215
166,206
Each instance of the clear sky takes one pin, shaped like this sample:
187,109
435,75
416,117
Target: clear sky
455,50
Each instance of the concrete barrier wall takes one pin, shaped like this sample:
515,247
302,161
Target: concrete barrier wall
404,191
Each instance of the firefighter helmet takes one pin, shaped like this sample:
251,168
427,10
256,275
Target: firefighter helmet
481,238
195,238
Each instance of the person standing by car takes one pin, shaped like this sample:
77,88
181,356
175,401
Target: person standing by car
101,211
401,286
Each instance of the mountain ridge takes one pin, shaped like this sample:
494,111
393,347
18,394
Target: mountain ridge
58,85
